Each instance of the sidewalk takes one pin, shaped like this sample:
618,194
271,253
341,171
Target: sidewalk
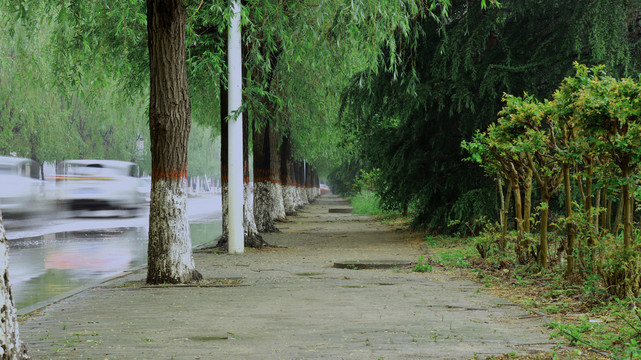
291,303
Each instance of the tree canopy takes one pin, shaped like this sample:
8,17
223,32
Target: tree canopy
448,81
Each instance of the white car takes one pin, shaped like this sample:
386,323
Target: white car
21,190
100,185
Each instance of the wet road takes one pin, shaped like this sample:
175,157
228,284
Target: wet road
52,256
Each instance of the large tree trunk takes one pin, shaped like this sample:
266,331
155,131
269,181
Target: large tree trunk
277,211
302,181
169,251
287,177
252,237
262,181
10,345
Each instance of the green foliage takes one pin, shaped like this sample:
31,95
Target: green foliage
457,257
204,152
366,202
406,121
39,121
422,265
620,341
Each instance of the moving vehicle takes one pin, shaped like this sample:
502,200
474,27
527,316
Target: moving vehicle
100,185
21,190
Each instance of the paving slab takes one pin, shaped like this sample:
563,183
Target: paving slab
290,302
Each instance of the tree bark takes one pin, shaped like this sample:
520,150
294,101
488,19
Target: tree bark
224,162
302,183
262,181
286,177
169,250
543,243
277,211
569,226
11,347
527,204
252,237
627,210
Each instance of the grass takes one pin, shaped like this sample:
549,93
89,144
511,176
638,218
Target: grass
598,327
366,202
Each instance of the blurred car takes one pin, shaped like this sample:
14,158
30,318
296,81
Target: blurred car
324,189
100,185
21,190
144,188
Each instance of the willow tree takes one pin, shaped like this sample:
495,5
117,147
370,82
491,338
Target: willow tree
169,250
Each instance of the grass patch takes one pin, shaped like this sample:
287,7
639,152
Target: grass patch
366,203
600,327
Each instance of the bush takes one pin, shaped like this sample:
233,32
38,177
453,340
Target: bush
366,202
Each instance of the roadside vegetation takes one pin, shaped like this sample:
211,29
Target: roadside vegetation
583,313
566,243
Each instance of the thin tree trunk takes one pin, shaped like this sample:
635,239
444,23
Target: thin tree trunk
527,204
569,226
505,209
169,252
619,217
595,216
518,209
604,213
627,210
608,218
543,242
588,204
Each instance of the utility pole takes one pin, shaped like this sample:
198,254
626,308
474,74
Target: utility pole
235,131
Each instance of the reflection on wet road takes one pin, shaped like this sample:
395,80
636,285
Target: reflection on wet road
48,265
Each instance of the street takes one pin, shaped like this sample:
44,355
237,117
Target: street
51,254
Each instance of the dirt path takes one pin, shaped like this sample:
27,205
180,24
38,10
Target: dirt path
291,303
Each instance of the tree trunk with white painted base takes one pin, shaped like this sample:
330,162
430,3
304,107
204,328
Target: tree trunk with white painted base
277,211
286,177
252,237
262,181
302,184
11,347
169,252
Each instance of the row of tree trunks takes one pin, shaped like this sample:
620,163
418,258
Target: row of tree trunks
252,237
281,185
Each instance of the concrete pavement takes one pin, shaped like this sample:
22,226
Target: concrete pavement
291,303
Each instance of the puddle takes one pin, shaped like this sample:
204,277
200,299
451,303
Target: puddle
46,266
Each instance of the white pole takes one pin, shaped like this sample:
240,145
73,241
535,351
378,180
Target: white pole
235,128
